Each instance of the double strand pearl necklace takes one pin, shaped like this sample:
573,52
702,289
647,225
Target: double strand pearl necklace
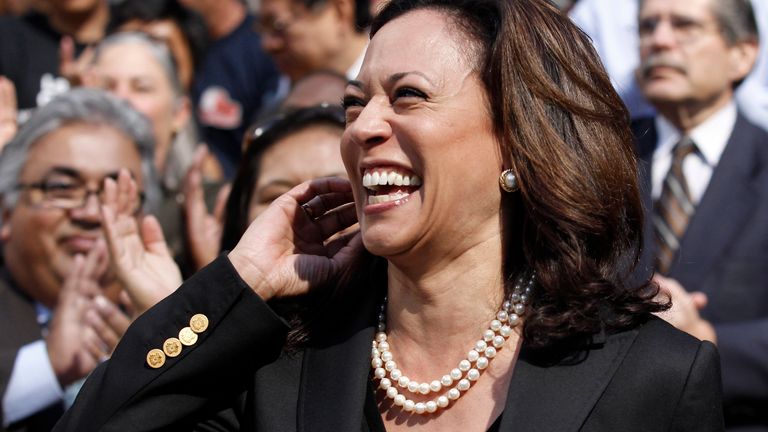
468,370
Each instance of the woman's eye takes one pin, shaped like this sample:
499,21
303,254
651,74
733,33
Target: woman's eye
408,92
351,101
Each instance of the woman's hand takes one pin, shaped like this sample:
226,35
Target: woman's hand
140,255
8,111
203,228
286,252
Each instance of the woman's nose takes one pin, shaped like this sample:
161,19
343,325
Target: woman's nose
372,126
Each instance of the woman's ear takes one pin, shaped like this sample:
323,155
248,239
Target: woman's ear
182,113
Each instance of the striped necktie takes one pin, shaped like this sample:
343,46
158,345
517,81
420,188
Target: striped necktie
674,208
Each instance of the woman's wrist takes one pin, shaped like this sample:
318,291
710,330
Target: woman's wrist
251,275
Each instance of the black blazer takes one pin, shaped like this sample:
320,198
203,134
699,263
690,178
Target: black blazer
19,320
724,253
235,377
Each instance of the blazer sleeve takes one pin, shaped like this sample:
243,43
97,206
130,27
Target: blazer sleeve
205,380
700,405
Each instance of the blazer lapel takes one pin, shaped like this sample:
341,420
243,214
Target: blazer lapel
558,398
729,199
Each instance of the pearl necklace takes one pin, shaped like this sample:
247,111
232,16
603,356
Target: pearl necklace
468,370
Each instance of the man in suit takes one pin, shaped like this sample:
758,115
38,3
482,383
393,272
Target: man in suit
706,186
57,301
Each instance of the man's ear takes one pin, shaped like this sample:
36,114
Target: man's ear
5,224
742,57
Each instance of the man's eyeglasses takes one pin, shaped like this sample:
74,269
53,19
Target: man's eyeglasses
685,30
66,194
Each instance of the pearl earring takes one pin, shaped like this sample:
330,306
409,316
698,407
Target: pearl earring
508,181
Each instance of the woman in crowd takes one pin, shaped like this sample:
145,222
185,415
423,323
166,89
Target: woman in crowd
494,183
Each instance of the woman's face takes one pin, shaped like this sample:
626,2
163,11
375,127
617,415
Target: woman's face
310,153
131,72
419,110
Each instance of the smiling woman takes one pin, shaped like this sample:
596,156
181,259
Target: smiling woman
466,301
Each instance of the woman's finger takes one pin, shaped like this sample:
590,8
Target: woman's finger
316,207
336,220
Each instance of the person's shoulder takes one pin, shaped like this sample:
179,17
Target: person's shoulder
666,345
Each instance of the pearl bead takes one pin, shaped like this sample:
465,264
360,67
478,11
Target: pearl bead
473,355
488,335
381,327
383,346
498,341
464,365
442,401
446,380
435,386
376,362
456,374
514,319
386,356
515,298
480,345
385,383
463,385
381,337
502,316
495,325
507,305
392,392
375,353
453,393
505,331
473,374
403,381
482,363
379,373
431,406
413,386
524,299
390,365
519,308
420,407
399,400
395,374
423,388
490,352
409,405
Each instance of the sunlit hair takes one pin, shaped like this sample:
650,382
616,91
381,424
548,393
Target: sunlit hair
78,106
577,219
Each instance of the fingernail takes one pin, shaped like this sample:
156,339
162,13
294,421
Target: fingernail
101,302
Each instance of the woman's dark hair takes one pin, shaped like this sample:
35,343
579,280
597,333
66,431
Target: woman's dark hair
577,219
259,139
190,23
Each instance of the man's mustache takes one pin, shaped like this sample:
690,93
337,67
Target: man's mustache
659,60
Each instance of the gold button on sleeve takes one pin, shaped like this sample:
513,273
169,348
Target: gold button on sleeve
172,347
187,336
155,358
198,323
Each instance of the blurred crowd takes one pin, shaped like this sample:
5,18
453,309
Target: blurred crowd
217,107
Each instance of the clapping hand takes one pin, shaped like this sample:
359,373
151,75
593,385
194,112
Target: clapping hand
286,251
684,313
203,229
85,326
140,255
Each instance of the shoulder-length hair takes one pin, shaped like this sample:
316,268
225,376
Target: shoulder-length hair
577,219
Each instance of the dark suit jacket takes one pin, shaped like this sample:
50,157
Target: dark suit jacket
236,377
20,321
724,253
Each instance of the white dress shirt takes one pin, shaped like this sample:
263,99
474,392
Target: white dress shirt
710,138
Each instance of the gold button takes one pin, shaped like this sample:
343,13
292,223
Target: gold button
198,323
155,358
172,347
187,336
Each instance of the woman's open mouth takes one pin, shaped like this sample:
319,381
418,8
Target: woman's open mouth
389,184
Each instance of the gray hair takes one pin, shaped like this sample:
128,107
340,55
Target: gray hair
81,105
158,49
736,19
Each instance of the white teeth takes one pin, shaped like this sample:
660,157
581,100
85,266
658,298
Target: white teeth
378,199
374,179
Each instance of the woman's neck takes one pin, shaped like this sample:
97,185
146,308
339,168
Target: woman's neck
87,27
438,313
